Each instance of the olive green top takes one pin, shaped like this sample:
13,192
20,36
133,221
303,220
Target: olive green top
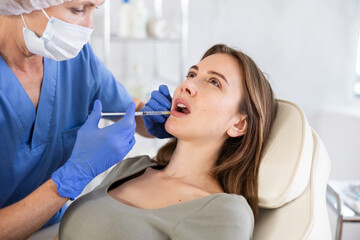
97,215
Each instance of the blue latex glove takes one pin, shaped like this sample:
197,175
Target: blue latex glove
160,101
95,151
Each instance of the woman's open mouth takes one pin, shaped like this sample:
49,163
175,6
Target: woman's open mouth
181,108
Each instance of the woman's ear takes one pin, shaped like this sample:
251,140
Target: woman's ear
238,128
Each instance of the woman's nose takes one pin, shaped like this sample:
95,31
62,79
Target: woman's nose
189,87
88,21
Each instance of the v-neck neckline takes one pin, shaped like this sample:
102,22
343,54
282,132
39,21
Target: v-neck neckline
45,107
35,124
141,171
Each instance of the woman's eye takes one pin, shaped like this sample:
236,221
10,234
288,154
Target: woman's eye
214,82
77,10
190,75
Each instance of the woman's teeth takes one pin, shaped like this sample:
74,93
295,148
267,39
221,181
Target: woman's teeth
181,105
182,108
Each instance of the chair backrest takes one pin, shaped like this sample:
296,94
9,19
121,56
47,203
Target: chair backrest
292,180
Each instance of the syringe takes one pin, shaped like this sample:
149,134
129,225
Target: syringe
144,113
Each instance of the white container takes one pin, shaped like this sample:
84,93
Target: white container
135,82
138,20
124,21
158,28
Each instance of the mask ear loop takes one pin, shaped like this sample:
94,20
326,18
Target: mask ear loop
23,19
45,13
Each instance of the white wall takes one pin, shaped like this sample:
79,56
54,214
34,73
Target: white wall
306,47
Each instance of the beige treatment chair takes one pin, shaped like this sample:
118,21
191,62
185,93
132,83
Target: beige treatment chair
292,181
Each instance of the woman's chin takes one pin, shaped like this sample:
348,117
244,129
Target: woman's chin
174,129
170,128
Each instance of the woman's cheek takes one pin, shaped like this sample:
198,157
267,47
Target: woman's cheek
72,18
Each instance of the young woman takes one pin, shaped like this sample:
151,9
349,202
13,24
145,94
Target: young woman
202,184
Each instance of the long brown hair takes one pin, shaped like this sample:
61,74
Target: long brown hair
237,166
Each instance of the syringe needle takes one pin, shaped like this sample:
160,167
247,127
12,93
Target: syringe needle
144,113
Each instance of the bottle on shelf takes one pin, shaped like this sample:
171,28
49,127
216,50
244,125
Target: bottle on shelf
158,28
124,14
135,82
133,17
139,19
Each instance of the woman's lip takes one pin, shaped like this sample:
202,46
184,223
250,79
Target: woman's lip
178,114
182,101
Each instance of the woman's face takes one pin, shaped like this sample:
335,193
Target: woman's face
79,12
206,105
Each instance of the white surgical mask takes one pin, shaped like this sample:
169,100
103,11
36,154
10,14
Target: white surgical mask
60,40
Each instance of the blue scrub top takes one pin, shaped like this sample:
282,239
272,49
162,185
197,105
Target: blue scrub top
33,144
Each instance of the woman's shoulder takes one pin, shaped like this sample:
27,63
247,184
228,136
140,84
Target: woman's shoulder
228,208
229,204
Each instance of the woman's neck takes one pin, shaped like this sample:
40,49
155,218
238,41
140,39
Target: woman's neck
193,162
13,49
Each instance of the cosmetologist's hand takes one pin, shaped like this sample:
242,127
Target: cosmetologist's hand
95,151
160,101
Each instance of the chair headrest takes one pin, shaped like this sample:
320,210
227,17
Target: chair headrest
286,162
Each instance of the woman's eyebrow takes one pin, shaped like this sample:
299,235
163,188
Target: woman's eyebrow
89,3
194,67
220,75
211,72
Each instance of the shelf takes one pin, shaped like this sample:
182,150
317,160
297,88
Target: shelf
180,39
142,40
145,40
